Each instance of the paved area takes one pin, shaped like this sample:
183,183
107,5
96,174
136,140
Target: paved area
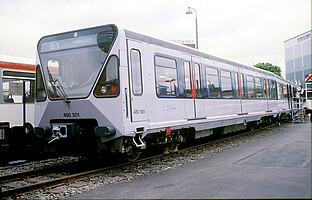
275,166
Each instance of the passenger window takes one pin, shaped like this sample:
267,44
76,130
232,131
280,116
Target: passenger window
285,93
166,77
250,87
108,84
259,91
243,86
197,80
40,90
236,86
136,70
279,91
265,88
212,78
13,90
273,89
187,78
226,81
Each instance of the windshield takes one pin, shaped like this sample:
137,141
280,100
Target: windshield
71,63
74,70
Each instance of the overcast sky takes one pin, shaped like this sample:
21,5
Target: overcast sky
244,31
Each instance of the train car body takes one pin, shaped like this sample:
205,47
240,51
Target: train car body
12,76
126,90
307,92
17,82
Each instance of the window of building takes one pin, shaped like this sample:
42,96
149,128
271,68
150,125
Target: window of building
166,77
136,69
250,87
226,81
212,78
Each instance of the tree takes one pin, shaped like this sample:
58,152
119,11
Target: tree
269,67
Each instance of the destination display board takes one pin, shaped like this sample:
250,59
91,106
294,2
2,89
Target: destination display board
69,43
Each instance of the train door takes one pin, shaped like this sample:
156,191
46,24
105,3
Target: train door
137,95
240,78
266,93
197,88
193,104
189,109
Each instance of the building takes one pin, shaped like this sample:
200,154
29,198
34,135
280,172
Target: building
298,58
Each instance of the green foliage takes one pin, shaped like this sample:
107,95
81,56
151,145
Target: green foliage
269,67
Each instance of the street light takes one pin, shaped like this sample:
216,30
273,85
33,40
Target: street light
191,12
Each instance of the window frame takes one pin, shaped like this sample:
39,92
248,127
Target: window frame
159,65
226,77
251,94
100,76
187,84
218,80
261,86
197,76
139,70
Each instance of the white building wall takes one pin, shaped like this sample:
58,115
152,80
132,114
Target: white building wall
298,57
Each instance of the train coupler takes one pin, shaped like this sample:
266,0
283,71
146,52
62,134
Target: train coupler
139,143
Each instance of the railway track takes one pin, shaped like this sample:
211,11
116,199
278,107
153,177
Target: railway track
29,184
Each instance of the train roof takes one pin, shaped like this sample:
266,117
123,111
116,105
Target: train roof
17,63
189,50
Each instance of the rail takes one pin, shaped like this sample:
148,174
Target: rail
15,192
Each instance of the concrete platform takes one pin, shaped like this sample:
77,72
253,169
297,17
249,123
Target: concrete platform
275,166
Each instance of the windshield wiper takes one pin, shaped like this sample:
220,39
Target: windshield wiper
58,88
57,85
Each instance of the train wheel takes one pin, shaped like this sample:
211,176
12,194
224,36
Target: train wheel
172,147
134,156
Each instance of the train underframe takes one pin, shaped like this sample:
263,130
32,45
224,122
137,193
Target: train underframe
78,137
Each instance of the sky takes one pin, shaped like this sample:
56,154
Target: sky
243,31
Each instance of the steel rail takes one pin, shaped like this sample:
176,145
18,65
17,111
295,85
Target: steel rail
83,175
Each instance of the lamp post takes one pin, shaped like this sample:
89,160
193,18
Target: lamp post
191,12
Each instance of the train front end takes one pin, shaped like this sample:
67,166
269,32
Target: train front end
77,87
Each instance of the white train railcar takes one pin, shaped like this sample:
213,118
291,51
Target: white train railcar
120,91
307,92
12,76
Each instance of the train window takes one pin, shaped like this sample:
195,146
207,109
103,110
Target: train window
285,89
250,87
259,91
40,91
236,86
273,89
197,80
108,84
166,76
242,80
212,78
279,91
265,88
187,78
226,82
13,90
239,86
136,70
